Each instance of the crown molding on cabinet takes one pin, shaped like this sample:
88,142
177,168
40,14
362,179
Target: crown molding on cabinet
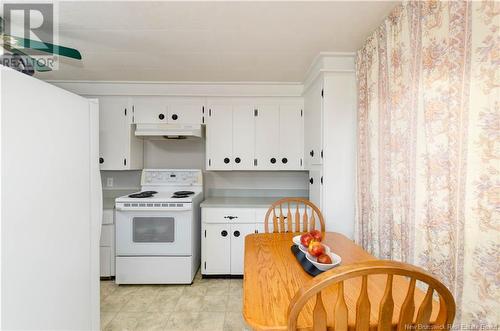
206,89
323,62
329,62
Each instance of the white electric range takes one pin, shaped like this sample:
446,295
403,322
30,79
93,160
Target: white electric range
158,229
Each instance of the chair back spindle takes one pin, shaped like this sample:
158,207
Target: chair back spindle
306,216
406,319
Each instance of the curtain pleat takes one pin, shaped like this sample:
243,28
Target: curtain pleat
429,147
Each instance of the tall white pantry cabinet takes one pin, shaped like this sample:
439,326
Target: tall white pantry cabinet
330,145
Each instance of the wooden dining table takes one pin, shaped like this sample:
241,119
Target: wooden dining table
272,276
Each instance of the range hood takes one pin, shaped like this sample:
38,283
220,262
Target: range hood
168,131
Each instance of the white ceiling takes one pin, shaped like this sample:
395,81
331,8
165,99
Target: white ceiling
208,41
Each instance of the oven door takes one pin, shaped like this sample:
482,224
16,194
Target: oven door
157,233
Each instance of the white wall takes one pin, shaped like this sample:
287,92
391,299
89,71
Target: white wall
174,153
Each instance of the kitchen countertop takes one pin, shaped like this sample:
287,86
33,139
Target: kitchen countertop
238,202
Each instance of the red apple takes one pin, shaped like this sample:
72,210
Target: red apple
316,248
305,239
316,234
324,258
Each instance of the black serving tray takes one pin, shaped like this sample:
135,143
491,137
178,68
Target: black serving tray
304,262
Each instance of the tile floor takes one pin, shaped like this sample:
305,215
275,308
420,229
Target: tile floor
207,304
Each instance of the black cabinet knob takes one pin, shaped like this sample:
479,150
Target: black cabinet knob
161,116
237,160
226,160
236,233
311,180
224,233
273,160
175,117
284,160
101,160
311,152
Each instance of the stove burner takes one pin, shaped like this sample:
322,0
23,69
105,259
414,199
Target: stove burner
186,193
141,195
177,196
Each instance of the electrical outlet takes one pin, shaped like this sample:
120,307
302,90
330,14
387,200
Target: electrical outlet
109,182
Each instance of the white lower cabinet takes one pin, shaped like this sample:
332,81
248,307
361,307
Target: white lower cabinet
223,239
107,244
238,234
216,244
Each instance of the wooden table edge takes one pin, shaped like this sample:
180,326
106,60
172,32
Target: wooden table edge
256,326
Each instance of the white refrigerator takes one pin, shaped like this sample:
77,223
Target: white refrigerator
51,207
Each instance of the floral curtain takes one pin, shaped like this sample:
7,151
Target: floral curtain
429,147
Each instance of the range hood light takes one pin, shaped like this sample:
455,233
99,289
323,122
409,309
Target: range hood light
168,131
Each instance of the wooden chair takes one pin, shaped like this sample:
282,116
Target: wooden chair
339,309
284,223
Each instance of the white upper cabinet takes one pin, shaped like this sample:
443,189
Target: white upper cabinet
267,137
185,110
243,137
230,137
219,143
182,110
150,109
248,135
291,139
119,148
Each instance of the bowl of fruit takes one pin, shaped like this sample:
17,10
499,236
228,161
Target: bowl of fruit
321,256
303,241
317,253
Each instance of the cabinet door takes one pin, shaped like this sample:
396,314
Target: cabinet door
243,138
220,138
238,234
113,132
313,128
216,249
267,138
291,138
315,186
185,111
150,110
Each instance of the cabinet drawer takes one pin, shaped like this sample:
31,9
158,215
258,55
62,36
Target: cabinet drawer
233,215
107,235
108,216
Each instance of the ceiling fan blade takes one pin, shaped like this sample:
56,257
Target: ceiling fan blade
37,66
48,48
